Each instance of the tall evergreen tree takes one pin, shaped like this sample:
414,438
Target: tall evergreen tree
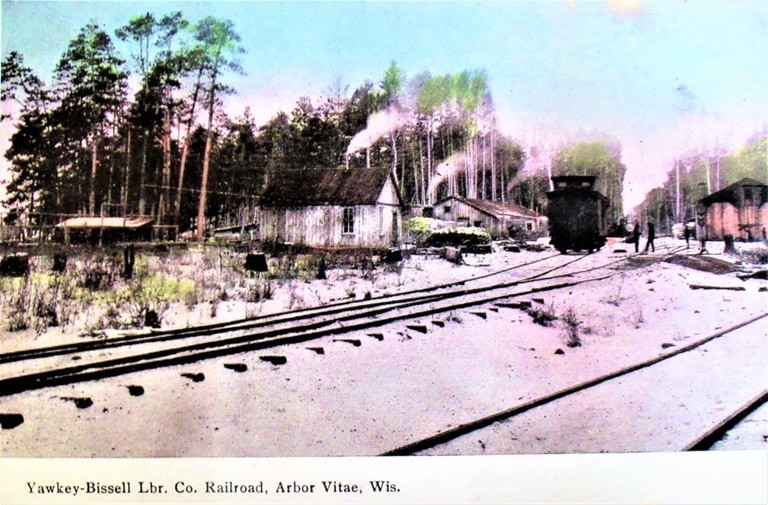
91,85
220,47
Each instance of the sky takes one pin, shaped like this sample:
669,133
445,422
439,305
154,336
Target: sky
662,77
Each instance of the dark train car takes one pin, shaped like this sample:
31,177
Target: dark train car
576,213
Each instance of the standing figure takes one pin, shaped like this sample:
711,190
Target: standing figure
636,237
703,241
687,233
651,236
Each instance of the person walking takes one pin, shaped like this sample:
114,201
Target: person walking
636,237
651,236
687,234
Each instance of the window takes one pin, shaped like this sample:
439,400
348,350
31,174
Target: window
348,220
478,224
529,226
447,209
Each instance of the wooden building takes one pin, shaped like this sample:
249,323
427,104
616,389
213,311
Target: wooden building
487,214
103,230
740,210
332,208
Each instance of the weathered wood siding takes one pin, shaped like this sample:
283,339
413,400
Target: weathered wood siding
763,215
375,226
725,219
722,219
462,213
453,210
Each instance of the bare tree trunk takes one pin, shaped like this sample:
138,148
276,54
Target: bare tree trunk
482,153
402,166
94,166
206,163
185,149
111,176
430,175
422,179
127,180
143,175
166,179
494,175
502,182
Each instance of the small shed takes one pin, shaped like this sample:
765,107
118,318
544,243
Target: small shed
95,229
487,214
740,210
332,208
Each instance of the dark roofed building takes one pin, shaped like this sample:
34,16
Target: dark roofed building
740,210
487,214
332,208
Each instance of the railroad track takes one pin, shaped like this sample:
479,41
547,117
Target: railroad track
702,442
289,317
49,368
717,432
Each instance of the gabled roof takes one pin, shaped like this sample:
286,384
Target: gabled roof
495,209
731,193
325,186
105,222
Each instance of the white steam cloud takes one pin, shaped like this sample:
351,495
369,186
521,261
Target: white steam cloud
451,166
379,124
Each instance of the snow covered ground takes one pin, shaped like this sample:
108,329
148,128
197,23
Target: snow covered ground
369,399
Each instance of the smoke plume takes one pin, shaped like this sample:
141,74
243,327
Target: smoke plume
379,124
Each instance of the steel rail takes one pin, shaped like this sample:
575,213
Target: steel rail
219,348
469,427
251,323
268,339
706,440
269,319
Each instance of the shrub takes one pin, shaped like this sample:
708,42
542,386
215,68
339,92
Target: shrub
466,236
418,227
542,315
97,274
16,298
572,326
259,289
299,266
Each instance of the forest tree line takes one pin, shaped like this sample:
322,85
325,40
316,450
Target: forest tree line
87,144
698,173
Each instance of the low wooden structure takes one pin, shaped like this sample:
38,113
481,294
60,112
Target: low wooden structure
739,210
487,214
332,208
103,230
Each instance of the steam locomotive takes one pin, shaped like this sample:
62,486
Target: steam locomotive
577,214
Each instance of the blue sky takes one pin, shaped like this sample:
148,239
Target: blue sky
662,77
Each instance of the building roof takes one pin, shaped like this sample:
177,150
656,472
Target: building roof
496,209
325,186
731,193
105,222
